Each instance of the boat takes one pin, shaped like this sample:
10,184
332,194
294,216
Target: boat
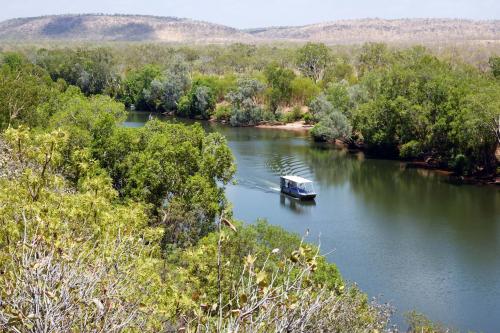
297,187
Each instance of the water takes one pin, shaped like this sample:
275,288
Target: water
408,236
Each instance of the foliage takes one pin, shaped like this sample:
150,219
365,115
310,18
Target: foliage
332,126
136,83
219,85
177,81
303,90
279,81
199,102
245,103
294,115
223,112
494,63
436,111
264,266
22,88
92,70
373,56
312,60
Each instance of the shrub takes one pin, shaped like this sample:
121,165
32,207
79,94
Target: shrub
332,126
245,107
198,103
410,149
223,112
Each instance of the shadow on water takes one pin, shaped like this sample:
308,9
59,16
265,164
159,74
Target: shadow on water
295,205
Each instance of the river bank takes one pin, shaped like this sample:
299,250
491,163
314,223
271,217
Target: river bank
301,126
417,164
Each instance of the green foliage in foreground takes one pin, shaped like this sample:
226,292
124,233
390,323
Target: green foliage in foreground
78,258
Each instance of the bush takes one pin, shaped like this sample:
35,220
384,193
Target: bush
248,115
308,118
294,115
331,127
245,107
460,164
320,107
223,112
410,150
198,103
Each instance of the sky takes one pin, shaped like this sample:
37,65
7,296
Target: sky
260,13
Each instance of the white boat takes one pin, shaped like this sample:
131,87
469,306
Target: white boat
297,187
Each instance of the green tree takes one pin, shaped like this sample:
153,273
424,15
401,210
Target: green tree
303,90
313,59
199,102
494,63
245,103
176,83
136,83
22,89
279,81
372,57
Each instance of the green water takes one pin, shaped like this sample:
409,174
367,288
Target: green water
407,236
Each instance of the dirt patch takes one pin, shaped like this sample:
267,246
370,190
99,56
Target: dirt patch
295,126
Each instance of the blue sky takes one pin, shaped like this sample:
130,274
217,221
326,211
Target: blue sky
257,13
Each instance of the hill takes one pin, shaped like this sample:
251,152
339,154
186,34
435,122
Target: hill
379,30
94,27
99,27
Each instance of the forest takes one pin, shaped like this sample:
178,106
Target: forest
112,229
403,103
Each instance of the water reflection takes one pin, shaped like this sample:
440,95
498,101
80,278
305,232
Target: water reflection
297,206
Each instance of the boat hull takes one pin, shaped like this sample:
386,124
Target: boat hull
301,196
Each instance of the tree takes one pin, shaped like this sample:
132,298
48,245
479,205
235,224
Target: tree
279,81
320,107
313,59
373,56
244,103
331,127
198,102
137,84
92,70
176,83
303,90
495,66
22,89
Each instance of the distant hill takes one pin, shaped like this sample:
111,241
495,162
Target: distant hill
95,27
379,30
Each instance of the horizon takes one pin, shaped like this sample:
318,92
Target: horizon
254,27
260,13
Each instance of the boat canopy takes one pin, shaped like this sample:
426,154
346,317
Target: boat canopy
296,179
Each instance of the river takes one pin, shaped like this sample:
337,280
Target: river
406,236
